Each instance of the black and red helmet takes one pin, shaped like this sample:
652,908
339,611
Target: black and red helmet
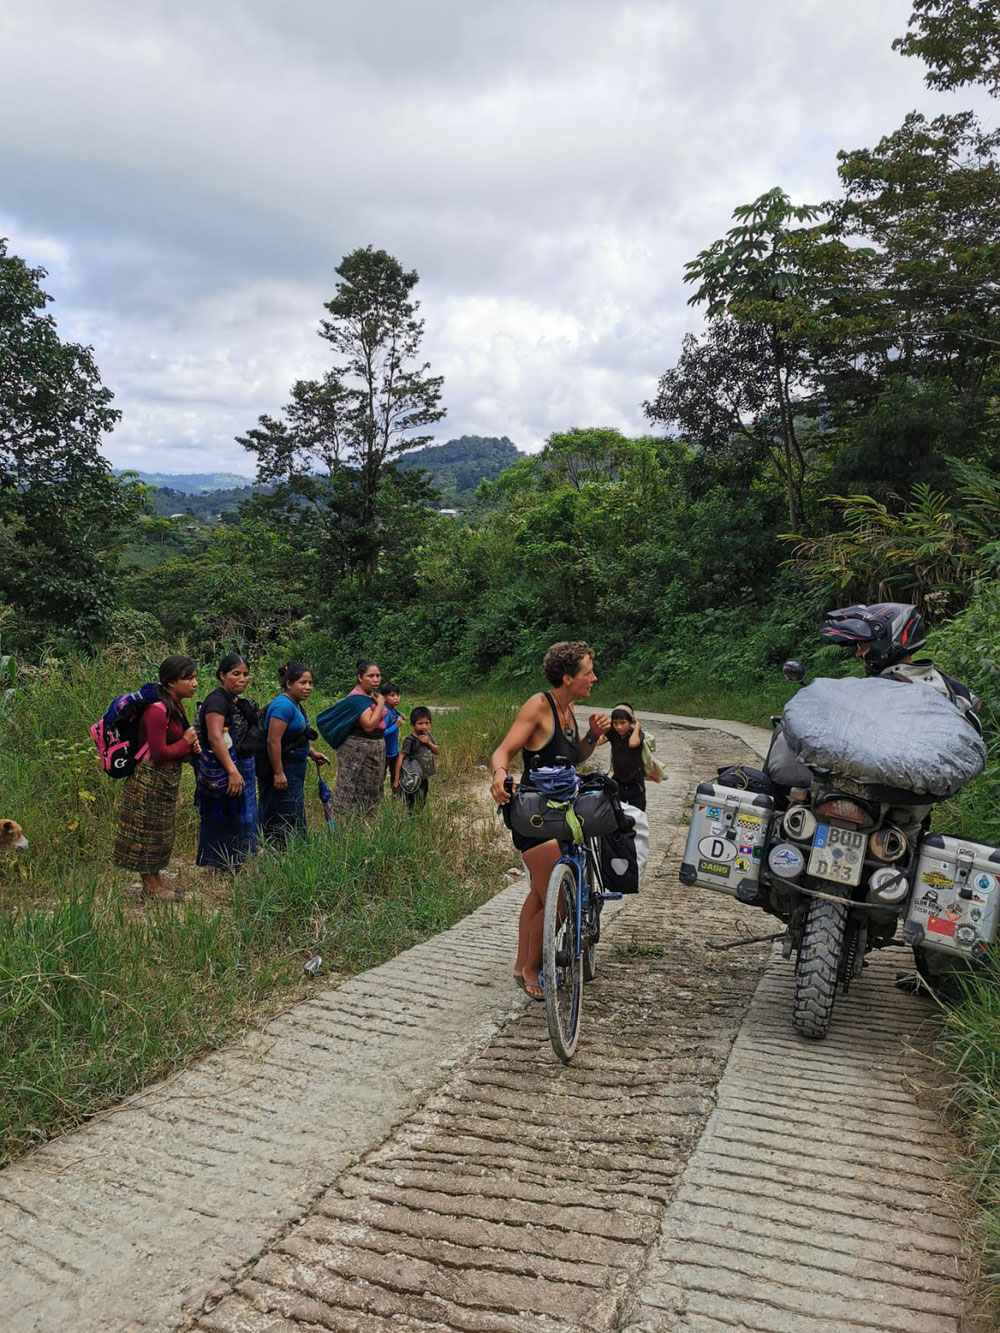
891,630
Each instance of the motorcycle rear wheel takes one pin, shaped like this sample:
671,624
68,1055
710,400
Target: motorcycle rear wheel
817,967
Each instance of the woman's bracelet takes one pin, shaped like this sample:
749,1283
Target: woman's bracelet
499,769
590,738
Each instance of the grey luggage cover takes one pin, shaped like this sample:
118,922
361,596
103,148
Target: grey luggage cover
898,734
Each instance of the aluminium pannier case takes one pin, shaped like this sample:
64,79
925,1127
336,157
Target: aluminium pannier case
726,839
955,904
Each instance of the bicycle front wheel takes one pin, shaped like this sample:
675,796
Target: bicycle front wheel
562,970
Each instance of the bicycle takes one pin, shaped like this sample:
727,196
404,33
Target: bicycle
570,933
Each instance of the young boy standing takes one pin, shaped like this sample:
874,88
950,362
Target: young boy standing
423,747
393,717
626,737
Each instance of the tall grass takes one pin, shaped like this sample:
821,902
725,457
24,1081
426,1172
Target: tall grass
99,995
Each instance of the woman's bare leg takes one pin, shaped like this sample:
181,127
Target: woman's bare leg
539,862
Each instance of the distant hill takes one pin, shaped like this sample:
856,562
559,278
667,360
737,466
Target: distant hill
191,483
458,467
206,505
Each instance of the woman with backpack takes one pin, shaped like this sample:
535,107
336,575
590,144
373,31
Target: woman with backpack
282,773
147,817
229,729
361,757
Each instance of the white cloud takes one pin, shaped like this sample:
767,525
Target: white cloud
191,175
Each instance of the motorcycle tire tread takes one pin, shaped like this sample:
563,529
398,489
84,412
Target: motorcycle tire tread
817,969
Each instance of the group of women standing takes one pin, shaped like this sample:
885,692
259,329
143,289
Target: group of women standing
250,764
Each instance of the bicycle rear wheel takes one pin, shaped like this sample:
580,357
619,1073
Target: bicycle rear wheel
562,970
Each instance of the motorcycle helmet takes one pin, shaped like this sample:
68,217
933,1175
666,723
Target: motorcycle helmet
892,631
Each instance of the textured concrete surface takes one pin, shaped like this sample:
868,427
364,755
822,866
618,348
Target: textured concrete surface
404,1152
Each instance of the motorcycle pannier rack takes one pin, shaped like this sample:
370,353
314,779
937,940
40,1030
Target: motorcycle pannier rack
725,844
955,904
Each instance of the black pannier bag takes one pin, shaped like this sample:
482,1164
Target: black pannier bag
619,862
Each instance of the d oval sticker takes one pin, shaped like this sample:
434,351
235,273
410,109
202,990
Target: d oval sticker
717,849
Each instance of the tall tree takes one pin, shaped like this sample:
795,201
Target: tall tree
764,275
959,40
367,410
62,515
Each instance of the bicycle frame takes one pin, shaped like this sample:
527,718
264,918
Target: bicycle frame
576,855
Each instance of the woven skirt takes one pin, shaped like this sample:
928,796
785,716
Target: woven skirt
360,775
228,834
147,818
283,812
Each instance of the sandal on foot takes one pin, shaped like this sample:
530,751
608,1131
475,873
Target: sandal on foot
145,896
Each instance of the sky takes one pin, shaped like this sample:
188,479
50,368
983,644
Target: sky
190,174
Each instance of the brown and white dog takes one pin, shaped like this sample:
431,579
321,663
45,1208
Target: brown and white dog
12,835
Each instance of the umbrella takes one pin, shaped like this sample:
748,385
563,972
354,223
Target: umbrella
325,797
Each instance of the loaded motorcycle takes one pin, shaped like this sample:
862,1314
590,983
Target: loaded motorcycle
832,837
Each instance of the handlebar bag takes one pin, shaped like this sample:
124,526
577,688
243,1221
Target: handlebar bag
591,815
598,813
535,815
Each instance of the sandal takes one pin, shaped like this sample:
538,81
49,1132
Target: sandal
145,896
530,986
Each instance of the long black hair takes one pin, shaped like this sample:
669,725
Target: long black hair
291,672
229,663
175,667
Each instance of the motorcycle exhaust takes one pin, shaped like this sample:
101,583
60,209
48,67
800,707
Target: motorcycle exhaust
887,886
786,860
887,844
799,823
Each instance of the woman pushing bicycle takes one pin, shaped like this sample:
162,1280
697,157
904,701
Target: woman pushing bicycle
546,733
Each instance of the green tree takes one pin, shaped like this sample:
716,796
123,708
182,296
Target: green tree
767,274
365,412
63,517
959,41
721,395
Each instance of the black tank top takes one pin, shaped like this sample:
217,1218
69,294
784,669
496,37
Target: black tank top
560,749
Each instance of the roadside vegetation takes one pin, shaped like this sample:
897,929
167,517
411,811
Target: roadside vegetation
100,995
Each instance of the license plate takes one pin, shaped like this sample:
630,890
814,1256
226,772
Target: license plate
837,854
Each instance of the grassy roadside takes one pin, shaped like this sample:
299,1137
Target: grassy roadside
99,995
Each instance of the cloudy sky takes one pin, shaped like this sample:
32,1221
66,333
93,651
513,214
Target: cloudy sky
190,172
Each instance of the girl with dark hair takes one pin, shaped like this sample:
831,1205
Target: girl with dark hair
283,772
147,818
361,758
226,794
546,733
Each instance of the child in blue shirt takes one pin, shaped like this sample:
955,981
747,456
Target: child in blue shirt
393,717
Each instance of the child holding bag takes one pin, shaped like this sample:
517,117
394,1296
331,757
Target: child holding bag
629,749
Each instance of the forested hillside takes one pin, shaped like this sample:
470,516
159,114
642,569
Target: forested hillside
457,467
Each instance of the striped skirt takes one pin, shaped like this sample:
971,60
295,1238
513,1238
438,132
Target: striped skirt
360,775
147,818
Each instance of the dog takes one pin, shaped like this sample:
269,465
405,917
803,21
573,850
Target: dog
12,835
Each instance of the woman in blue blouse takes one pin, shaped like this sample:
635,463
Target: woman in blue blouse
282,777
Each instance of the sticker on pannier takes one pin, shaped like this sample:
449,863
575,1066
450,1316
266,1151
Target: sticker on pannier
726,840
955,905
